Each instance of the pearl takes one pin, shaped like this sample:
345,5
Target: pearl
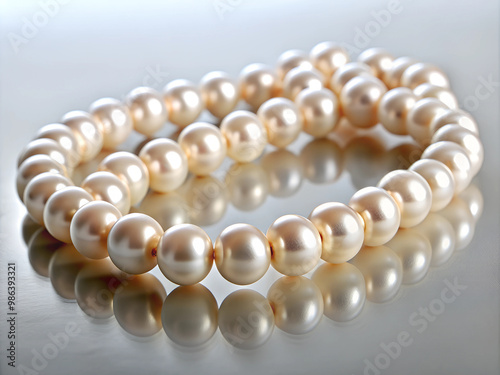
392,77
440,180
295,243
411,192
322,161
341,230
380,213
343,289
168,209
44,146
282,121
105,186
258,83
460,218
382,270
131,170
320,111
39,190
242,254
32,167
166,163
347,72
88,134
292,59
419,119
443,94
245,135
246,319
132,243
189,315
359,99
299,79
473,197
147,109
420,73
65,137
114,119
204,146
206,199
60,208
415,253
297,304
90,226
394,107
284,172
183,101
469,141
454,116
219,93
185,254
327,57
455,158
378,59
247,186
439,232
137,305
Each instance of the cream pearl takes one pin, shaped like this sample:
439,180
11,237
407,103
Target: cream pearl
441,237
105,186
419,118
114,119
88,134
131,170
147,109
60,208
378,59
347,72
360,98
382,270
443,94
455,158
420,73
473,197
394,107
242,254
322,161
380,213
320,111
297,304
327,57
185,254
39,190
415,252
168,209
32,167
246,136
440,180
343,289
167,164
207,200
284,172
204,146
258,83
341,230
65,137
412,194
454,116
292,59
469,141
90,226
247,186
392,77
295,243
219,92
183,101
47,147
299,79
282,121
189,315
133,242
246,319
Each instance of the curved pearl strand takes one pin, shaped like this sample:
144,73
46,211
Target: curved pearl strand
293,244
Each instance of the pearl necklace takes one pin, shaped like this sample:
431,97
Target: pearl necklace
405,96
